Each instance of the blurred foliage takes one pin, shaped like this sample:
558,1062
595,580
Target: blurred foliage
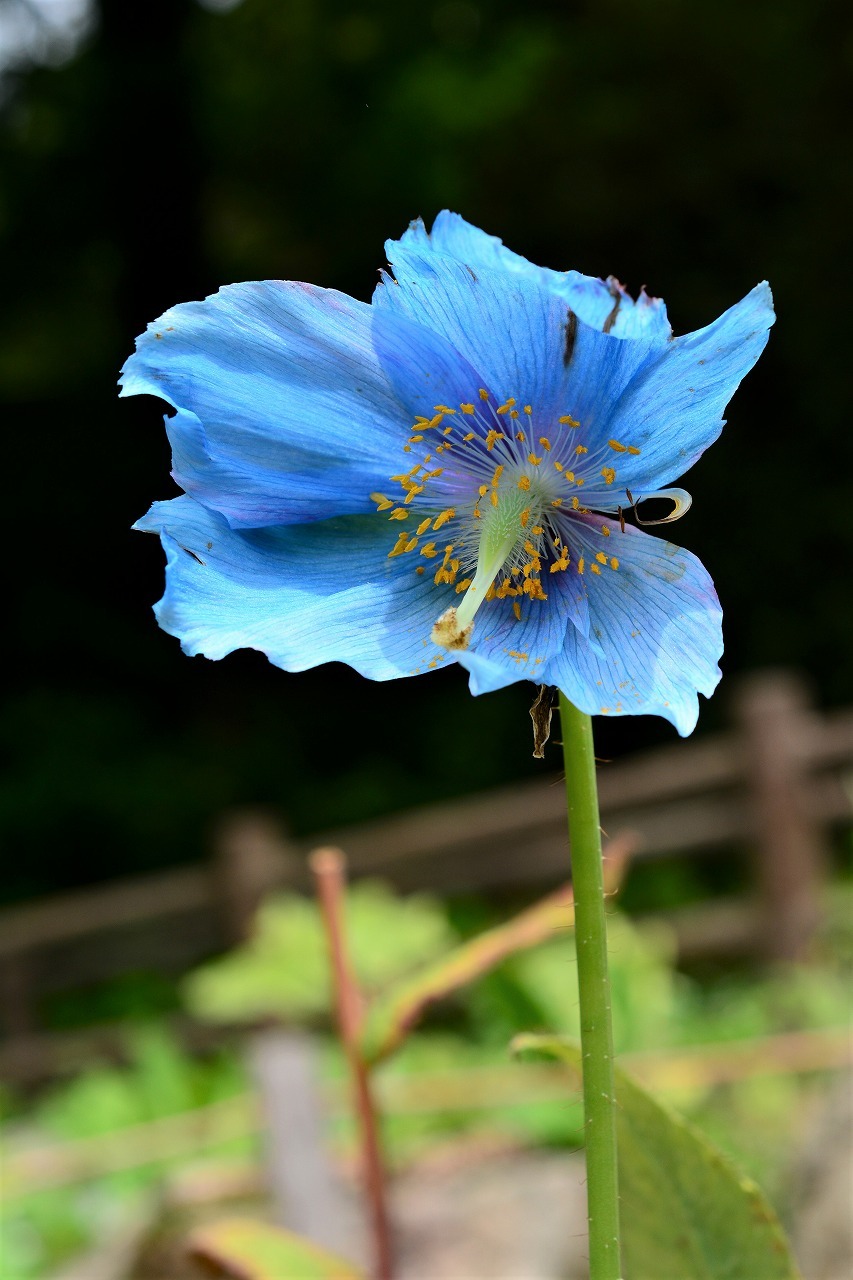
458,1062
284,970
186,146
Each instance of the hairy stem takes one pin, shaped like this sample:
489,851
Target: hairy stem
594,992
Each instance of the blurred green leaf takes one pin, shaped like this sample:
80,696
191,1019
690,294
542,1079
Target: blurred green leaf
397,1011
284,970
254,1251
687,1211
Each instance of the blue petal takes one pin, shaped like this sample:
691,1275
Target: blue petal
658,621
518,335
284,410
302,595
603,304
672,410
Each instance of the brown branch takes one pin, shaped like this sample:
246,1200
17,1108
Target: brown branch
328,868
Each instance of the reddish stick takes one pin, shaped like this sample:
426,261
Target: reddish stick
328,868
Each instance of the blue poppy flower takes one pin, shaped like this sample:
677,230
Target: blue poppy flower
443,475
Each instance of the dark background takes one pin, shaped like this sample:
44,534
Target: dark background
175,148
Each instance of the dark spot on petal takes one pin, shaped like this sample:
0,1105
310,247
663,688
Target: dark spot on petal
470,271
616,294
158,335
193,554
571,337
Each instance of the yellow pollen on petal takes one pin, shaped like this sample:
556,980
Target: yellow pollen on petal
609,474
492,437
516,608
420,569
484,395
384,503
545,443
595,569
467,408
443,517
614,563
524,483
581,565
601,557
568,421
605,531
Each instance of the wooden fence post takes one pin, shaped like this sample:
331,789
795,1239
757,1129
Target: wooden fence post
778,728
251,856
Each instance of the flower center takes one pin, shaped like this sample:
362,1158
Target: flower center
500,493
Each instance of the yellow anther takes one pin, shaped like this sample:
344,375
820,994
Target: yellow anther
463,585
506,406
516,608
413,492
515,570
447,430
575,503
525,517
633,449
400,514
581,565
443,408
470,436
537,530
467,408
429,550
528,408
605,531
384,503
529,548
420,420
563,563
614,563
601,557
411,544
513,413
580,480
559,466
594,568
435,422
609,474
524,483
420,569
437,472
443,517
477,513
493,497
483,490
568,421
424,525
581,448
545,443
617,447
557,502
484,395
499,470
399,546
533,460
415,439
519,435
492,437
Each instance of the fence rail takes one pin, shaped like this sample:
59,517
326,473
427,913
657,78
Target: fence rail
774,785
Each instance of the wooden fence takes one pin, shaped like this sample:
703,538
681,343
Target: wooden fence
774,786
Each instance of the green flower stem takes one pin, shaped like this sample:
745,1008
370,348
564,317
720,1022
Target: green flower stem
594,990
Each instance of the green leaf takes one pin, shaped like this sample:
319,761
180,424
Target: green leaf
283,970
394,1014
687,1211
250,1250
